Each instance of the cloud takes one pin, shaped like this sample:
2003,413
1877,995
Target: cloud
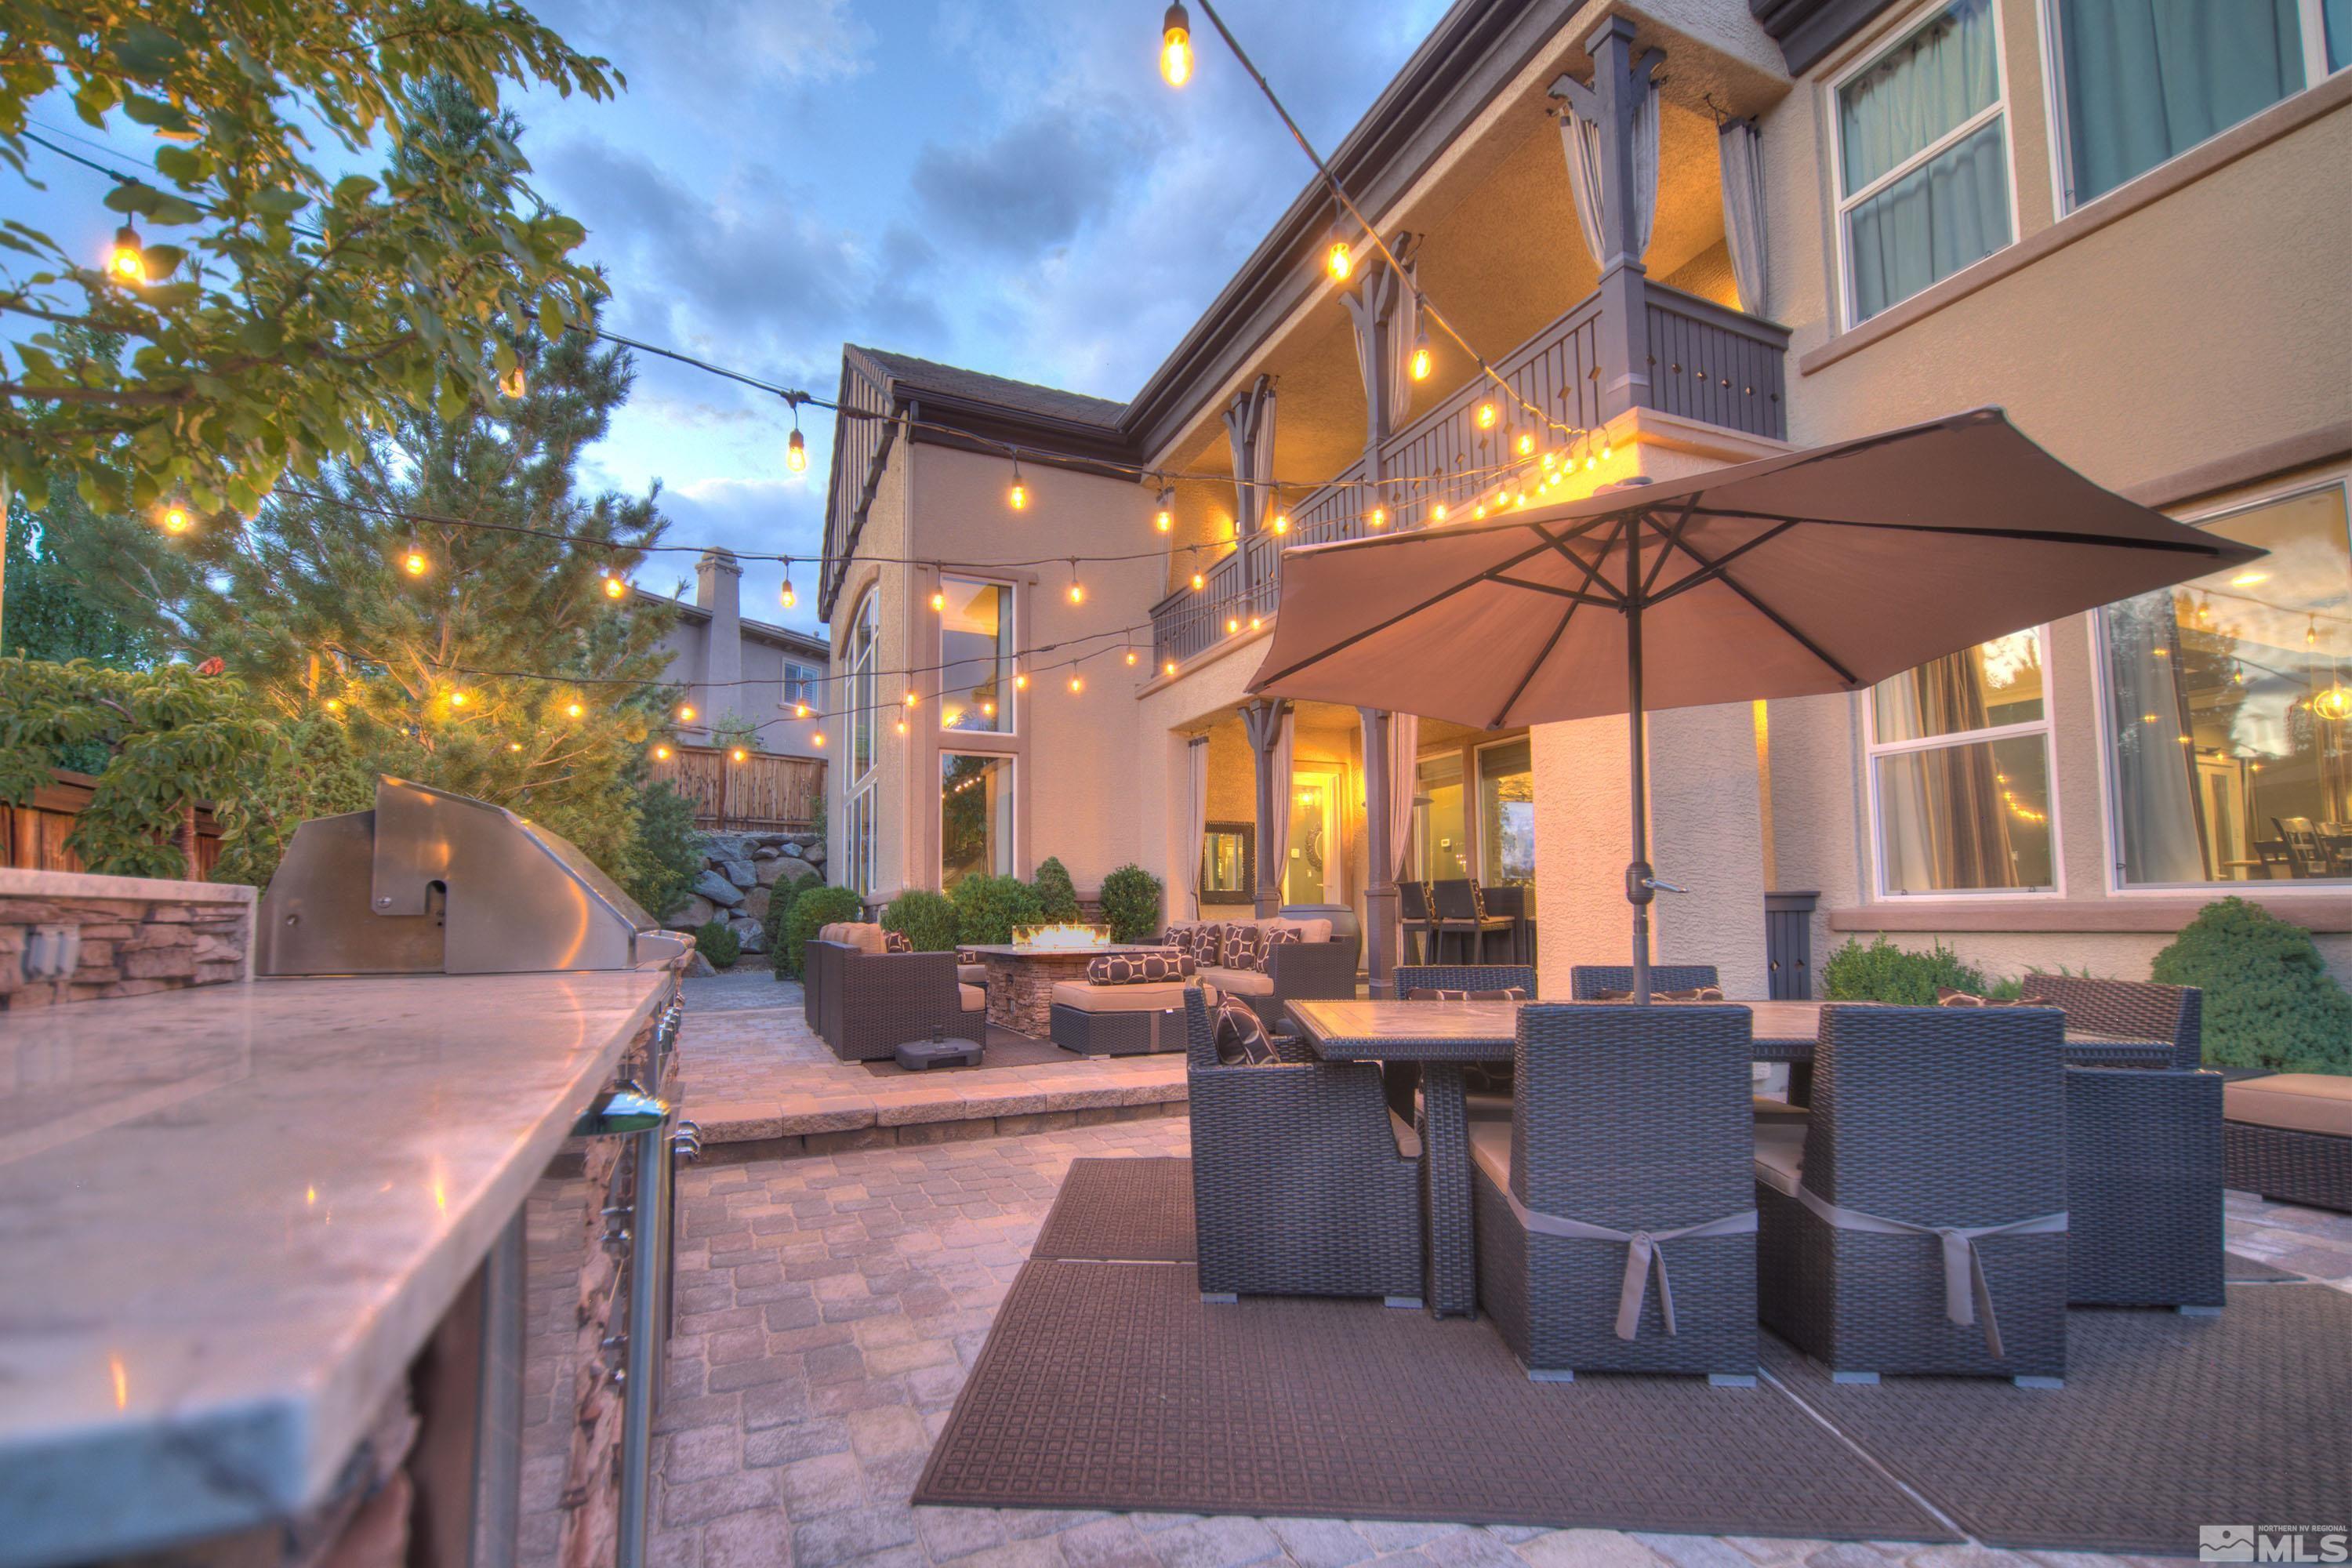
1032,185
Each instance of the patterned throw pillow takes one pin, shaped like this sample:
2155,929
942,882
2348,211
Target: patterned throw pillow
1136,968
897,941
966,955
1243,947
1695,994
1271,937
1241,1038
1208,944
1947,997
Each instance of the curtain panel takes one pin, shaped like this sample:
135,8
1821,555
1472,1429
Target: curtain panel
1278,837
2147,79
1249,427
1579,140
1739,155
1196,807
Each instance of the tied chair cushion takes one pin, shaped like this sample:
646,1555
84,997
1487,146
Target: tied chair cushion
1241,1038
1694,994
1270,939
897,941
1137,968
1947,997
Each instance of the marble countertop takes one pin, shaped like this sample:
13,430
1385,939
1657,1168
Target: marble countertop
229,1217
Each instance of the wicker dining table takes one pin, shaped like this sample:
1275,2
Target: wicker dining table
1444,1038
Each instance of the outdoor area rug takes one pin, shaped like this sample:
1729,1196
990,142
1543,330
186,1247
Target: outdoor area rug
1112,1385
2166,1423
1121,1210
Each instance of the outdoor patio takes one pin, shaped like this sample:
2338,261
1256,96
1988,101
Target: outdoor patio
832,1305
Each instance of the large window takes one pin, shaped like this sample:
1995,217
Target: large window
1441,846
2141,81
2229,709
859,842
1506,814
975,816
865,637
800,682
975,656
1923,159
1959,769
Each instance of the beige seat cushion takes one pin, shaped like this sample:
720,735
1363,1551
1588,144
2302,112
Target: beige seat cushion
2291,1102
974,998
1490,1146
1780,1153
864,935
1157,997
1240,982
973,974
1767,1109
1408,1141
829,931
1308,930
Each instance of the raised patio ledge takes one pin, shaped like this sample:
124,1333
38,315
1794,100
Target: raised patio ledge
2280,120
2321,913
18,882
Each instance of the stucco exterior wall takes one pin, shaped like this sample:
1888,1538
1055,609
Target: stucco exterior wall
762,702
874,568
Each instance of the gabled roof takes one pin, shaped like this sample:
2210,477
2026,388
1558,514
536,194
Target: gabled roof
915,377
806,645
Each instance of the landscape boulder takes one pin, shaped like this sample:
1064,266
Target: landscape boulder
721,892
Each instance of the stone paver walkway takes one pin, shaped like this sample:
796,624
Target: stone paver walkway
829,1307
758,1074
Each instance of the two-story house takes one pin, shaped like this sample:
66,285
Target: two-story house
1682,236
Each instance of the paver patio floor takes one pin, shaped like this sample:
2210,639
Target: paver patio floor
829,1307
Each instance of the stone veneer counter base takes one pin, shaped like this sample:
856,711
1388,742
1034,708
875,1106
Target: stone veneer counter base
1020,982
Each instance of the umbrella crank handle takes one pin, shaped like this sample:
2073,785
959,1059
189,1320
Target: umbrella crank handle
1643,887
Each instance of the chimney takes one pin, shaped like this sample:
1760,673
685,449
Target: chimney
719,588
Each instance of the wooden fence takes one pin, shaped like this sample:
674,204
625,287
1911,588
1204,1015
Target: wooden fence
761,792
33,835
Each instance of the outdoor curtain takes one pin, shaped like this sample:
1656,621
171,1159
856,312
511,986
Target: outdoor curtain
1196,807
1941,808
1954,208
1580,139
1739,154
2149,79
1385,309
2158,824
1404,745
1249,425
1279,835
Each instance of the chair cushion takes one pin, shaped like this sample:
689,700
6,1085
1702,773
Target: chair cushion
1695,994
1408,1141
973,998
1780,1153
1308,930
1271,937
1243,947
1208,944
2291,1102
1947,997
1766,1109
973,974
1240,982
1241,1038
1091,998
865,936
1136,968
1490,1146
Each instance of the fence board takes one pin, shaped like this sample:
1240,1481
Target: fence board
33,835
763,791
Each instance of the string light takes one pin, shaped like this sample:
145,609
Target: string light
1077,684
1338,260
572,709
790,597
738,754
414,562
1233,625
1198,582
1020,681
512,384
1527,445
126,259
1380,518
1176,47
514,745
614,586
1486,416
178,519
939,600
1437,513
661,753
902,726
1282,522
457,700
686,713
1420,361
1130,659
1165,518
816,738
1077,589
800,710
1019,494
909,698
795,449
1169,669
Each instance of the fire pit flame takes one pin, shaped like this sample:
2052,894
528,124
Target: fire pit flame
1068,936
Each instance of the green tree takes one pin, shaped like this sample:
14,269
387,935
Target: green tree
1130,904
815,908
926,918
669,855
277,307
1058,896
58,607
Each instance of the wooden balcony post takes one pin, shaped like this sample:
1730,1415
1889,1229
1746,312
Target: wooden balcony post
1620,85
1262,719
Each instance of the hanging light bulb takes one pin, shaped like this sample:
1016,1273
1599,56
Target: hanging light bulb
1282,522
1380,517
1253,622
1437,513
902,726
1176,47
178,519
1198,582
1605,448
1077,684
512,384
788,597
661,753
1419,365
1339,259
737,754
686,713
816,738
939,600
1233,625
1020,681
1130,659
1077,589
1165,518
1527,445
988,708
514,745
1486,416
1018,496
414,562
909,699
457,700
795,449
1169,669
614,586
1478,512
334,704
800,710
126,259
572,709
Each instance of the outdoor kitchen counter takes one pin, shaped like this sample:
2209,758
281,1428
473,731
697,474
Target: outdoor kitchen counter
231,1216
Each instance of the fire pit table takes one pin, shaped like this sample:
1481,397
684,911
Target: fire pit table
1022,976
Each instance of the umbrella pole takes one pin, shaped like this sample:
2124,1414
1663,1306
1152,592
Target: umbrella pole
1639,891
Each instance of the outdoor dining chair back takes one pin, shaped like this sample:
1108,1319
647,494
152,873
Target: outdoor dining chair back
1615,1211
1914,1221
1413,913
2306,856
1489,1083
1303,1184
1460,909
1590,982
2130,1010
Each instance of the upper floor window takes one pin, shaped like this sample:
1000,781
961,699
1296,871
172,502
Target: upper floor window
975,656
1959,772
1923,159
2229,708
2141,81
800,682
865,638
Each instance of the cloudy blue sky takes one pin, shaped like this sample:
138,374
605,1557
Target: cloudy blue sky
1005,184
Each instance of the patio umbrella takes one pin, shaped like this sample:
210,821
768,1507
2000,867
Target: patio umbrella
1825,570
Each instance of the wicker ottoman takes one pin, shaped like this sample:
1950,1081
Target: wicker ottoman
2289,1138
1117,1020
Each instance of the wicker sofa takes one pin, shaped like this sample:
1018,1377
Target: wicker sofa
2288,1137
865,1003
1316,967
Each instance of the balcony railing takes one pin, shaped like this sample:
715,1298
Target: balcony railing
1707,363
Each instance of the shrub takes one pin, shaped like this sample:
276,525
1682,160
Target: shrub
1058,896
716,943
1885,972
668,858
2269,1000
1130,904
927,920
988,908
815,907
780,898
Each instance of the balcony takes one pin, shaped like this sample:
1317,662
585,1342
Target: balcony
1706,363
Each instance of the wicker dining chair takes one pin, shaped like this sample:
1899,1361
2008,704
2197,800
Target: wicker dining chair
1590,982
1460,907
1633,1122
1413,914
1303,1183
1929,1177
2128,1009
1489,1084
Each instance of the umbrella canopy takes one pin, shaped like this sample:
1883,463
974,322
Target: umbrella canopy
1825,570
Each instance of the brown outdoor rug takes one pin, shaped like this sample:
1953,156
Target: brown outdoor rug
2166,1423
2237,1269
1137,1210
1111,1385
1003,1048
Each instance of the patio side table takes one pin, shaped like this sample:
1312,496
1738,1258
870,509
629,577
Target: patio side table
1443,1037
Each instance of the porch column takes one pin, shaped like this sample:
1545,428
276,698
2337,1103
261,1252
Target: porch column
1249,427
1621,87
1384,308
1380,850
1262,719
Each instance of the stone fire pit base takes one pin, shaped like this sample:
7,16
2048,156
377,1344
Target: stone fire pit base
1020,982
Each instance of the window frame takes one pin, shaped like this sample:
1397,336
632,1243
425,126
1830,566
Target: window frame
1487,876
2338,476
863,802
1008,638
1841,205
1012,762
1873,749
800,683
2313,22
866,625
